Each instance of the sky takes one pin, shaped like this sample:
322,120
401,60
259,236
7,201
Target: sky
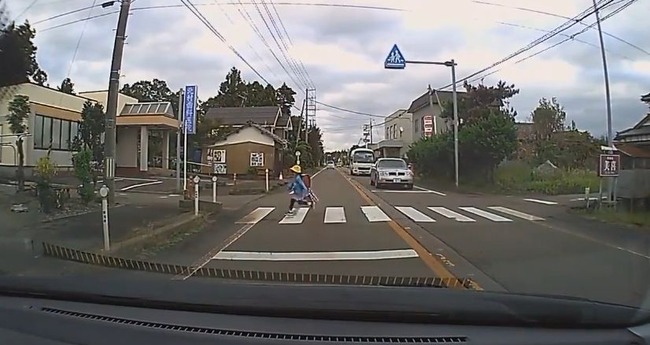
338,47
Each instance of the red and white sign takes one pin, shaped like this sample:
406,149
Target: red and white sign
427,124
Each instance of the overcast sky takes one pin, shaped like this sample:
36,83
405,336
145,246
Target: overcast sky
342,50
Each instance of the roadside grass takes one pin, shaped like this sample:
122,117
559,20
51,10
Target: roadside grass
609,215
519,178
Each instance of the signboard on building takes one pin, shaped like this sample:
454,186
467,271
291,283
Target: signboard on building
189,111
427,125
609,165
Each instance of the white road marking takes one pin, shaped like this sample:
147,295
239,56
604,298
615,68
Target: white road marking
451,214
334,215
256,215
545,202
172,195
296,218
430,191
318,172
163,196
401,191
515,213
593,198
249,221
415,215
374,214
150,183
491,216
317,256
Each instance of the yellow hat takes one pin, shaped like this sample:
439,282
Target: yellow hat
296,168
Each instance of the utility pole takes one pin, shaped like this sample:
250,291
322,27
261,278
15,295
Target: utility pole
435,125
370,131
111,102
610,138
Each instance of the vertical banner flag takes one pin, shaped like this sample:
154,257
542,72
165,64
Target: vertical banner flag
189,120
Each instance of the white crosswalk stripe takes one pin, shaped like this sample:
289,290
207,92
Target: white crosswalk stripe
374,214
415,215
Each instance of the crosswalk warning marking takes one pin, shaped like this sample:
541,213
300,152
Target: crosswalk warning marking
491,216
256,215
445,212
415,215
297,218
317,256
334,215
515,213
374,214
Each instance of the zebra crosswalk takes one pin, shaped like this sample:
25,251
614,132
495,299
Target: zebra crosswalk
375,214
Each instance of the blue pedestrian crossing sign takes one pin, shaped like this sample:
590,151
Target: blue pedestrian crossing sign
395,59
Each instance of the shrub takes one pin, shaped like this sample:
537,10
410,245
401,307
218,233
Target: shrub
83,170
45,171
519,177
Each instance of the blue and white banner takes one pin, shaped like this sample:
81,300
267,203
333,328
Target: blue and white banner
189,102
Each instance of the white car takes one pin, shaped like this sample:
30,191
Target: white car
330,165
391,171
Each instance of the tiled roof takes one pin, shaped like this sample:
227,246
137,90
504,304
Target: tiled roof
264,116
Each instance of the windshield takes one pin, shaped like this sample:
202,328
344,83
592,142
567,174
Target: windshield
255,163
391,164
363,157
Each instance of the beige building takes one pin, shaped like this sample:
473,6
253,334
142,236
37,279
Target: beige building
54,122
398,135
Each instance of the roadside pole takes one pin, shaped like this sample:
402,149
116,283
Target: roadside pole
214,189
178,142
395,60
189,122
197,181
267,180
103,192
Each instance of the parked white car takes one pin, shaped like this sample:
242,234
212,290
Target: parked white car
391,171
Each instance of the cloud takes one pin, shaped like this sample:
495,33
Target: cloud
343,49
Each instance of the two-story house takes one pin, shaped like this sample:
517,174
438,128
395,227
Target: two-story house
398,135
430,105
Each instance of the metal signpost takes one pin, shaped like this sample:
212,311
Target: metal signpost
609,166
214,189
189,122
103,192
396,60
196,181
298,157
267,180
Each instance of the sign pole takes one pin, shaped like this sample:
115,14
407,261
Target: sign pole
214,189
178,142
455,100
103,192
185,158
267,180
197,181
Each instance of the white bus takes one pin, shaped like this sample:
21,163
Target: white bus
361,160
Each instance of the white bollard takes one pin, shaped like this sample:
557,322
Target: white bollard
214,189
587,190
267,180
197,179
103,192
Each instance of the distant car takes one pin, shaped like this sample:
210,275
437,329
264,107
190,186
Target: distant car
330,164
391,171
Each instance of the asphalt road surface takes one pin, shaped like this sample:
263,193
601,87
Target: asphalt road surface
502,243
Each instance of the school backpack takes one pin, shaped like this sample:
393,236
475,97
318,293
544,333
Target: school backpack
306,179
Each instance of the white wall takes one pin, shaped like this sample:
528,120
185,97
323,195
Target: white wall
127,147
248,134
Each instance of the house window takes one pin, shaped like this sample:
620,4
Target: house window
55,132
257,159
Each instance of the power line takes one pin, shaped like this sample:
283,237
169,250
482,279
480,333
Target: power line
611,14
348,110
81,35
563,17
563,27
25,10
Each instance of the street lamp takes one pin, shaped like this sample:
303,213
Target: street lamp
395,60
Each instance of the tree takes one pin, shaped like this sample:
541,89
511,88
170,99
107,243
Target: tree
315,142
67,86
285,99
18,113
18,56
548,118
233,90
478,101
91,131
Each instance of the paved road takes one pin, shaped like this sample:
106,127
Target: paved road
528,246
343,234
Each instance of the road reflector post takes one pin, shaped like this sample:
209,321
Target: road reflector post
196,181
587,189
214,189
103,192
267,179
234,179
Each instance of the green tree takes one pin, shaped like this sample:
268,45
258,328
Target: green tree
285,99
91,130
548,118
233,91
67,86
315,141
18,114
18,56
